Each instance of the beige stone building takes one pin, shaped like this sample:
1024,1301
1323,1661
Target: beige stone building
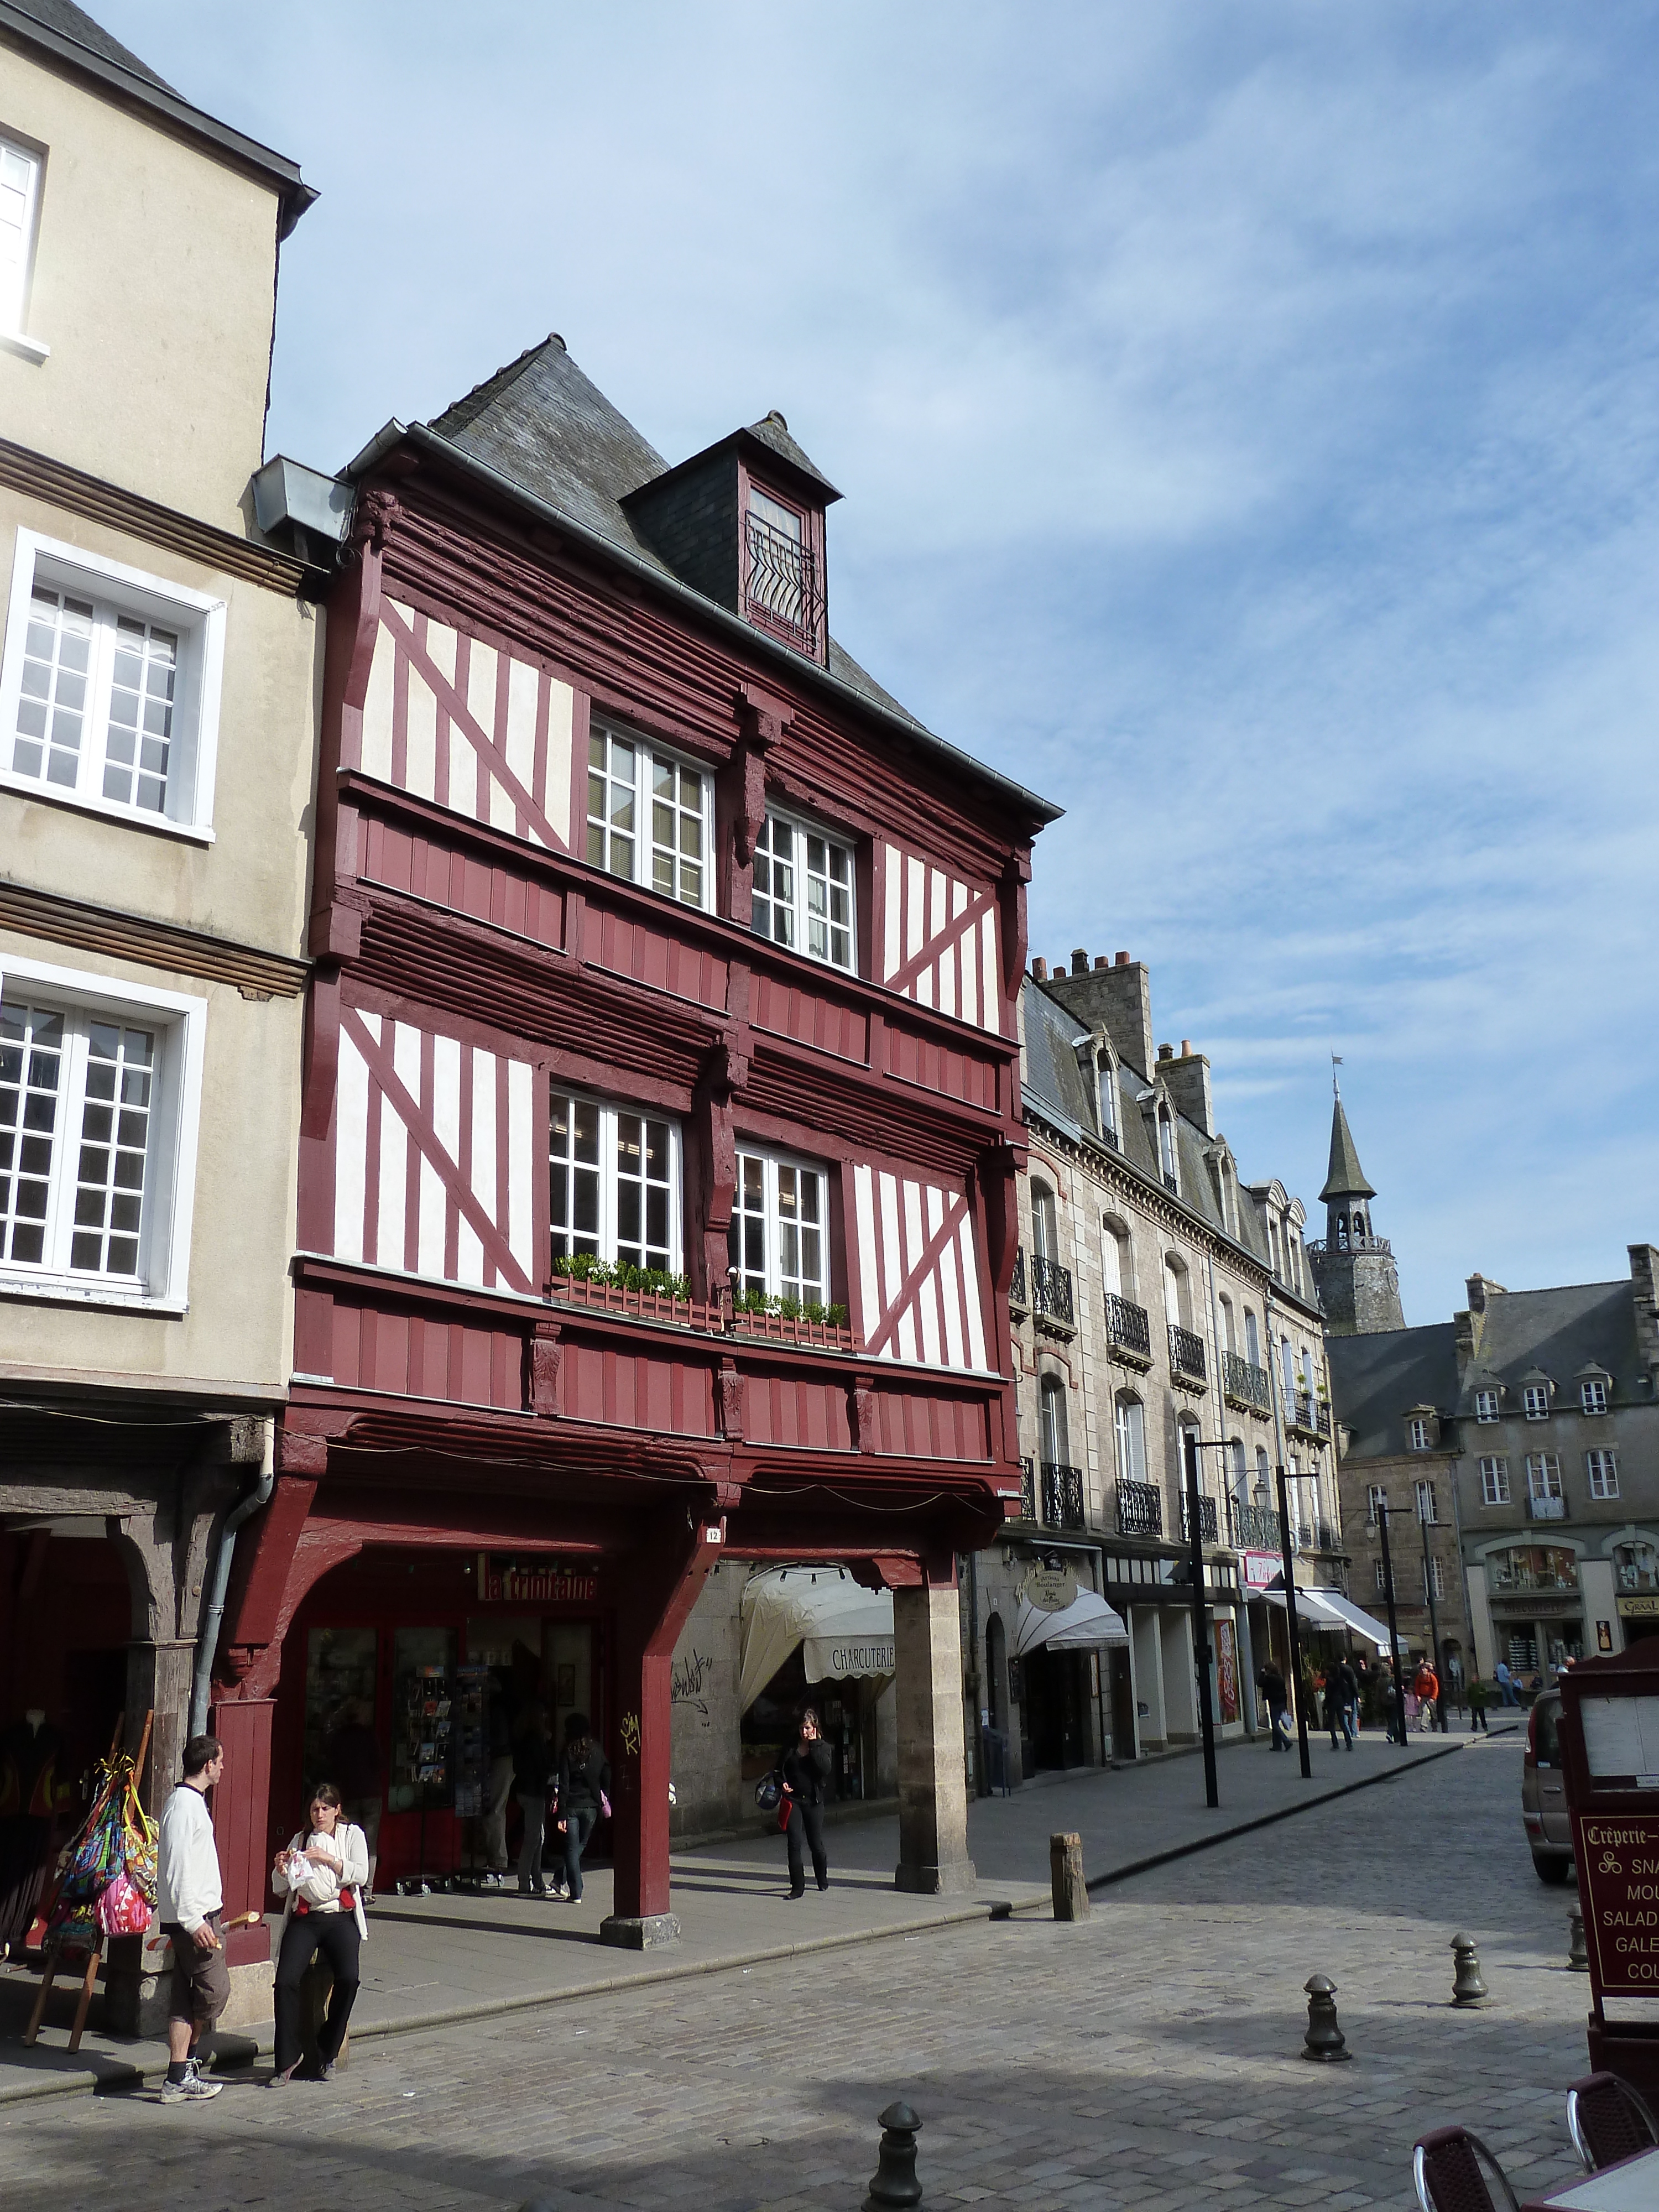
1156,1297
158,668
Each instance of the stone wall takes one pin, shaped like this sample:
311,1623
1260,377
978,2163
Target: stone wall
707,1711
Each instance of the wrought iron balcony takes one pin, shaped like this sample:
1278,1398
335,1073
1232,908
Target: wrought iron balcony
1062,1496
1186,1354
1016,1296
1129,1329
1171,1184
1315,1536
1051,1290
1309,1416
1246,1385
1206,1520
1028,1490
1254,1527
1139,1509
1320,1246
784,589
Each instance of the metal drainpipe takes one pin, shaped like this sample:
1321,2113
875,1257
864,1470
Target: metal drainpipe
208,1642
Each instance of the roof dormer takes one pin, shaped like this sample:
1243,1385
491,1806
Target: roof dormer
743,523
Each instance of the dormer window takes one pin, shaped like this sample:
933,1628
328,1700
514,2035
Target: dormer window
782,591
1536,1401
1417,1434
1593,1394
1166,1150
1485,1404
1106,1081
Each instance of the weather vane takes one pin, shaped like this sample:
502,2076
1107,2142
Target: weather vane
1336,1062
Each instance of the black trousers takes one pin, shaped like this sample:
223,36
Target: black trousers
808,1821
335,1934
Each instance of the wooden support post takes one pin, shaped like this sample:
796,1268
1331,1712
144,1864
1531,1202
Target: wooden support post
88,1982
48,1975
1066,1876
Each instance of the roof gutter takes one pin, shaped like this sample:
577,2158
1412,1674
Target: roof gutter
385,442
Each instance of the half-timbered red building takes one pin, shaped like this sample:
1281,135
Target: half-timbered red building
661,1119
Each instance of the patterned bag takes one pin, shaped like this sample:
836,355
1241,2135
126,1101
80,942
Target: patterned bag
122,1908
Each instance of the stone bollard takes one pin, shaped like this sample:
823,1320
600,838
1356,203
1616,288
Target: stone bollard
1324,2039
893,2186
1066,1877
1577,1949
1468,1988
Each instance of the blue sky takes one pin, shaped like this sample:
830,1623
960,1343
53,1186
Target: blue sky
1249,425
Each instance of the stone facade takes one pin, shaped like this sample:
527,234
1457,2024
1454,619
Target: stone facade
1155,1295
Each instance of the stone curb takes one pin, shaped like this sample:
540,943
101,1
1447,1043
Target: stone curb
120,2075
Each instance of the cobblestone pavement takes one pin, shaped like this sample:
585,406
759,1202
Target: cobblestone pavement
1146,2058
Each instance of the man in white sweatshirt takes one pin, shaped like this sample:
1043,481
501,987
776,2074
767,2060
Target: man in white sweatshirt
188,1907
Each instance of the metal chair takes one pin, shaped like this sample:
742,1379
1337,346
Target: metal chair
1446,2168
1608,2120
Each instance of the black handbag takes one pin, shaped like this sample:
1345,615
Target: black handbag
768,1790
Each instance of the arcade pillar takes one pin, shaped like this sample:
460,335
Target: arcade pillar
934,1857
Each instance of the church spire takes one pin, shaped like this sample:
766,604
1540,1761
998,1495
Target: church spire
1354,1268
1346,1178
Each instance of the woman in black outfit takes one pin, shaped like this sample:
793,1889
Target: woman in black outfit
806,1769
583,1779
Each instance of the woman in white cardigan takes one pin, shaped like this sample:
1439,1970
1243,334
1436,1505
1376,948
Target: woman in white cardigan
321,1872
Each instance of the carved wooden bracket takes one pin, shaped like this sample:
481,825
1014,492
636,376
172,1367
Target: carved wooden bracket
864,1416
733,1387
542,1381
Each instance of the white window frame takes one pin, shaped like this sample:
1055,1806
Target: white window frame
180,1022
115,588
1593,1395
611,1111
1376,1493
1603,1469
1417,1433
798,907
1382,1578
1106,1105
1544,1475
1485,1406
1428,1509
649,756
771,1272
1495,1480
1129,1436
13,308
1536,1401
1434,1576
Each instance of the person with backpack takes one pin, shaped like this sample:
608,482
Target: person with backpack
584,1780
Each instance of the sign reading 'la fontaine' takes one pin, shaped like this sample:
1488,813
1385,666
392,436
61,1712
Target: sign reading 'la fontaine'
1619,1870
536,1582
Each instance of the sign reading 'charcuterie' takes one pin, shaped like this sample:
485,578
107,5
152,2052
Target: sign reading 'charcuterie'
1619,1875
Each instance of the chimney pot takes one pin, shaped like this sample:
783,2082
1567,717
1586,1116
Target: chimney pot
1079,962
1166,1052
1101,961
1040,970
1122,959
1186,1048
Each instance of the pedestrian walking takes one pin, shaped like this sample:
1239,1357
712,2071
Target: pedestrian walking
321,1872
807,1768
1479,1699
1505,1681
532,1776
1271,1683
189,1902
1426,1688
352,1756
1341,1702
584,1780
494,1837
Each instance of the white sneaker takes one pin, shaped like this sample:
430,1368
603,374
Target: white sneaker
193,2089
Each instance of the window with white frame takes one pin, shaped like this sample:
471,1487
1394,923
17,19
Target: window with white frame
1381,1579
1252,1340
1417,1433
1485,1404
1106,1089
1543,1475
1602,1468
614,1185
1536,1401
1377,1499
650,816
1167,1160
1494,1480
803,891
1434,1577
100,1093
109,688
1129,1421
20,201
1593,1394
1426,1508
780,1242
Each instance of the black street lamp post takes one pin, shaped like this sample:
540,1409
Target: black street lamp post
1439,1662
1294,1624
1201,1626
1393,1623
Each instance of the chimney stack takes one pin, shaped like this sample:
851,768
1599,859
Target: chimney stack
1117,999
1188,1080
1040,970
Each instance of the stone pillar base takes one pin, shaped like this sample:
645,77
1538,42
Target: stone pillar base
253,2001
638,1932
951,1878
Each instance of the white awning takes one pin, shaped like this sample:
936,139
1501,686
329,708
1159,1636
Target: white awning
1328,1608
841,1628
1087,1623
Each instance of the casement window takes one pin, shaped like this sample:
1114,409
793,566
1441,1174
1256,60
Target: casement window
1054,1439
19,206
1377,1499
1494,1481
803,894
781,584
650,816
1106,1091
780,1242
1381,1579
1167,1159
1129,1421
1434,1577
1426,1508
99,1095
1536,1401
615,1184
1252,1340
1485,1404
1543,1475
1417,1433
109,689
1602,1468
1593,1394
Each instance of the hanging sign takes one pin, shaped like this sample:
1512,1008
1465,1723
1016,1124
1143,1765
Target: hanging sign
1260,1568
536,1582
1050,1590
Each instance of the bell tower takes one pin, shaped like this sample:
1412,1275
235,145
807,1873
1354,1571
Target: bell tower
1358,1282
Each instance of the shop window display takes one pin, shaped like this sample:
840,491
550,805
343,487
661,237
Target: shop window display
423,1680
340,1671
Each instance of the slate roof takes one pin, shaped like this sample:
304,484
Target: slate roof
1345,1178
1058,1088
1376,1378
545,429
73,22
1560,1331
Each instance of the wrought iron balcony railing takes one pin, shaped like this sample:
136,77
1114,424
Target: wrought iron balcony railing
1128,1328
1028,1490
1206,1520
1016,1296
1246,1384
1139,1509
1311,1416
1314,1536
1186,1352
1051,1290
784,590
1062,1496
1320,1246
1254,1527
